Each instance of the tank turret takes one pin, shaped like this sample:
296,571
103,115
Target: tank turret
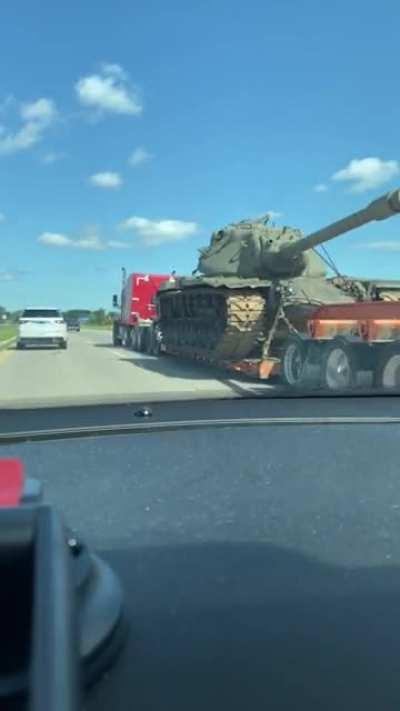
257,249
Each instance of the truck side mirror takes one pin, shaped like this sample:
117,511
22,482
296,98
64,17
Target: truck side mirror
115,301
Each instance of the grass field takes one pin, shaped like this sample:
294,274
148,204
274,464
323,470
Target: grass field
8,330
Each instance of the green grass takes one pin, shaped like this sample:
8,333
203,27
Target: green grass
7,330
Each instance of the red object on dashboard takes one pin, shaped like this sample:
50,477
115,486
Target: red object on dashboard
11,482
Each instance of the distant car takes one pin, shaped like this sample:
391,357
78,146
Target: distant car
73,324
42,327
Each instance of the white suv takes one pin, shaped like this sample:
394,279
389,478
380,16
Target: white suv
42,327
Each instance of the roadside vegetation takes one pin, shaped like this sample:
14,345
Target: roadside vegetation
7,331
97,318
105,326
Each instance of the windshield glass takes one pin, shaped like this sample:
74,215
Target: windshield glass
207,198
38,313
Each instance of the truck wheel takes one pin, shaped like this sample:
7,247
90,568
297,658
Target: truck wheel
155,348
20,346
339,366
139,340
115,335
64,345
387,372
127,338
146,340
134,339
293,361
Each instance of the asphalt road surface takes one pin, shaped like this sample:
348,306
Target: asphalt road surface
93,370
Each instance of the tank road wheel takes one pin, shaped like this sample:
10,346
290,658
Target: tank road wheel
339,367
387,372
293,361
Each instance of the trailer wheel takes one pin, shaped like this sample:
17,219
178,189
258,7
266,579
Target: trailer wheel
293,361
387,372
339,366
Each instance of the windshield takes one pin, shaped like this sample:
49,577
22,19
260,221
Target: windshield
41,313
207,199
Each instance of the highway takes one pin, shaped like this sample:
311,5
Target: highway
93,370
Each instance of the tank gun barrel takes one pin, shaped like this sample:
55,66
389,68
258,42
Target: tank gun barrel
378,209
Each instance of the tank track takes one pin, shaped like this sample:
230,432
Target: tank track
216,324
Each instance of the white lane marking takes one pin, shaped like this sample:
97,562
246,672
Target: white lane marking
132,355
5,355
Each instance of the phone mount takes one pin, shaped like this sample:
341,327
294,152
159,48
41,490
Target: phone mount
60,606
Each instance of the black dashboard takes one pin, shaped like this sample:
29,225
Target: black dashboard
257,542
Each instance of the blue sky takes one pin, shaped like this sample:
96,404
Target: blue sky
150,124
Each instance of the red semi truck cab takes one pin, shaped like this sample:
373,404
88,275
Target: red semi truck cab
137,297
137,309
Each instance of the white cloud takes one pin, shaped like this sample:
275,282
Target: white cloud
106,180
384,246
93,242
109,92
8,276
51,157
7,103
42,111
26,137
273,215
114,70
2,217
367,173
140,155
117,244
36,117
320,188
55,239
156,232
89,241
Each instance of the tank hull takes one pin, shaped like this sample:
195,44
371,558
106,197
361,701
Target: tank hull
230,319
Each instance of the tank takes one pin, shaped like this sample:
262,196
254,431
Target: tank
251,270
